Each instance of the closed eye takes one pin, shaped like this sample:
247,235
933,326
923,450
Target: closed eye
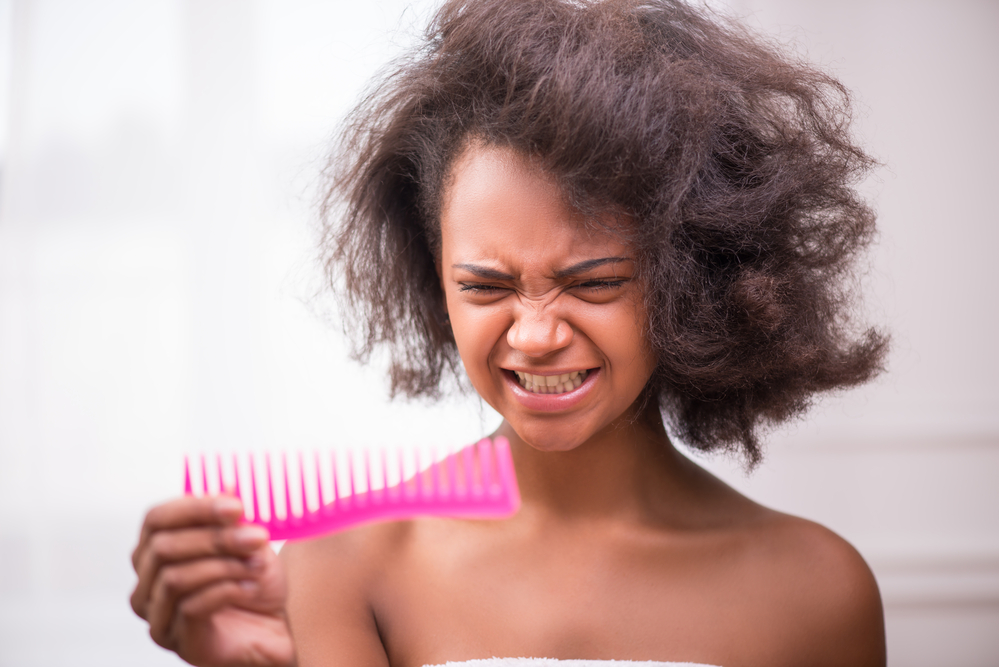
479,288
597,285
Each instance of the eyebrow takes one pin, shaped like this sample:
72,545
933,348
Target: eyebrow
580,267
588,265
483,272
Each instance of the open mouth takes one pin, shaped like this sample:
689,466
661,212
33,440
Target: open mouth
551,384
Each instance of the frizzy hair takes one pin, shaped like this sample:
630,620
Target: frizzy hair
733,159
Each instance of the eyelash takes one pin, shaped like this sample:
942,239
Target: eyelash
595,285
601,284
478,288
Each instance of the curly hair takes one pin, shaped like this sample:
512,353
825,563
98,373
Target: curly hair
734,160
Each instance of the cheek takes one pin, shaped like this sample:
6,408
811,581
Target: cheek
645,359
621,336
477,331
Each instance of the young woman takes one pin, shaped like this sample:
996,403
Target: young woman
610,214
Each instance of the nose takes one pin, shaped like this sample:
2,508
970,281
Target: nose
537,332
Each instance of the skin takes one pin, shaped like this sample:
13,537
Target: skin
623,548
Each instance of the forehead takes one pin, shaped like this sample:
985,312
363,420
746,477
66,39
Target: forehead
499,205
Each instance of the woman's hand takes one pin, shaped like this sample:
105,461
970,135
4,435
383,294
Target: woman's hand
211,589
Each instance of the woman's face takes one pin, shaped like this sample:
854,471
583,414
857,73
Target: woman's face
547,315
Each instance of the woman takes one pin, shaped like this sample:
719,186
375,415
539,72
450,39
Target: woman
611,213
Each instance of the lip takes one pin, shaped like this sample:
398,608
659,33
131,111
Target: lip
550,402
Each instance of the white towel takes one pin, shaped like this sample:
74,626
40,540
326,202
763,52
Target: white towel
552,662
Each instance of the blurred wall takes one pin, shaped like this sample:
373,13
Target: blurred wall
157,161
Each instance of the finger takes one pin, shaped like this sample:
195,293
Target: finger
173,546
197,608
186,512
211,599
178,581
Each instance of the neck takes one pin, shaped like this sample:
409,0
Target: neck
628,471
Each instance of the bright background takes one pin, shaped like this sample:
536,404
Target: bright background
157,161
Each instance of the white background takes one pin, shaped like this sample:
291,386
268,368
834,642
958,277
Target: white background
157,165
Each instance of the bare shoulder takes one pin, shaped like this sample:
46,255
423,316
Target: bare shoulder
347,564
330,583
358,552
821,589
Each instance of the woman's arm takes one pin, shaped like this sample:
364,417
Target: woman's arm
830,599
329,608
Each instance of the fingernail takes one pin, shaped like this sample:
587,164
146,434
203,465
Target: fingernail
250,536
249,585
227,507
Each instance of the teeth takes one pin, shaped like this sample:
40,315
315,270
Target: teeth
551,384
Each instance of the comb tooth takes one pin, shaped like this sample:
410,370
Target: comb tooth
507,475
218,464
287,491
235,477
235,483
485,465
350,466
402,474
385,486
187,477
466,459
419,477
435,475
336,485
204,475
270,489
319,482
253,489
367,474
301,478
452,474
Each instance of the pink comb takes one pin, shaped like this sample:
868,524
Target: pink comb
477,482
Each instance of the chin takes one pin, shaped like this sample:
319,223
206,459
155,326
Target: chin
549,438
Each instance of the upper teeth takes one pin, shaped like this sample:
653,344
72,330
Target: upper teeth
551,384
